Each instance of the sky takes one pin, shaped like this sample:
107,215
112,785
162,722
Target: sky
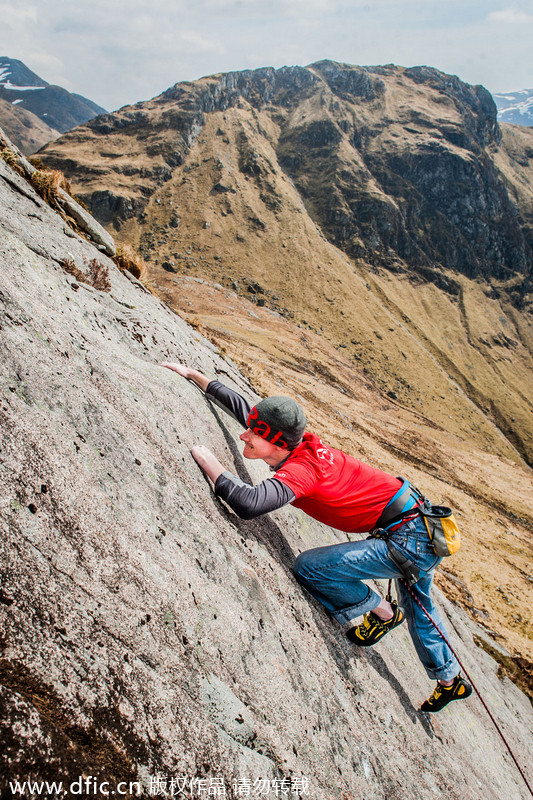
117,52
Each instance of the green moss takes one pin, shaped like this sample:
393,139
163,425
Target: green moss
169,619
518,669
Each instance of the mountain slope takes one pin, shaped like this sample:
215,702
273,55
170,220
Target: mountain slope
28,94
28,131
147,633
359,200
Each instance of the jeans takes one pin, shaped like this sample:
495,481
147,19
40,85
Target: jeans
333,575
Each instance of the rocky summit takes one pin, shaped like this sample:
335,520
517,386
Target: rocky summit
395,165
384,207
151,642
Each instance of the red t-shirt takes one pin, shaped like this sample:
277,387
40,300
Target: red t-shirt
336,488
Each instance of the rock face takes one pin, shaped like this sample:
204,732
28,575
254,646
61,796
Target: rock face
150,636
79,215
431,199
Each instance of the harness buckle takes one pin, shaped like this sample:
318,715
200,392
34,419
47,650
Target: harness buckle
379,533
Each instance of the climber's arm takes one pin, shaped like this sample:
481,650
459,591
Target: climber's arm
207,461
225,398
201,380
246,501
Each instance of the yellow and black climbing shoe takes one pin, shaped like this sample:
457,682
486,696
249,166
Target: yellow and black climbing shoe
459,690
372,629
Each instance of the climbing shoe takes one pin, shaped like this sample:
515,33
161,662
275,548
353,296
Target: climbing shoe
372,629
459,690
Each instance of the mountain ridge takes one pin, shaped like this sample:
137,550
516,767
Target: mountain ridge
477,129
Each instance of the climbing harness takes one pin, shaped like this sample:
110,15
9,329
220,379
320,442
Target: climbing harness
400,506
409,502
417,601
407,567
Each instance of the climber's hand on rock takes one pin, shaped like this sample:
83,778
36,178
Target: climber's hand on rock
201,380
207,461
179,368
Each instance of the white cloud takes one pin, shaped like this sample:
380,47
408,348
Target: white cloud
510,15
197,43
122,51
22,11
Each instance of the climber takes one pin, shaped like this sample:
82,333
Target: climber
346,494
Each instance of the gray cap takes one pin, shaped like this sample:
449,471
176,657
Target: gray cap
279,420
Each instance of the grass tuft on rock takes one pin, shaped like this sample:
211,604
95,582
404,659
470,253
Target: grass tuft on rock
97,274
47,183
126,259
11,160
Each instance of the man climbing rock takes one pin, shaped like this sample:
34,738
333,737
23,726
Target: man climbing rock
349,495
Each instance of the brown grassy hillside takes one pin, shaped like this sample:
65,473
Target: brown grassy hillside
25,129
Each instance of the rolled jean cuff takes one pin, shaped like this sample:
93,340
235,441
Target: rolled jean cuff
346,615
445,673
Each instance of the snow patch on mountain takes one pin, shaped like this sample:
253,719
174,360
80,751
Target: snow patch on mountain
515,107
59,109
9,85
16,74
